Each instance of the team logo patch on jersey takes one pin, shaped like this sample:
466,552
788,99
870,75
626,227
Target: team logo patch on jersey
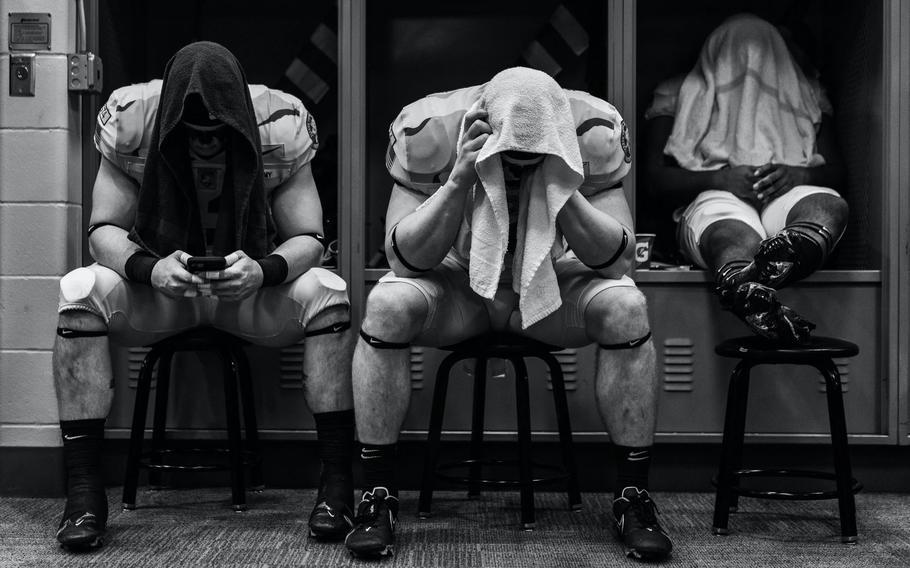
104,115
624,140
311,130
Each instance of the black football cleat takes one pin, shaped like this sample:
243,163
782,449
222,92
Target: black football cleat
330,522
635,515
81,531
373,535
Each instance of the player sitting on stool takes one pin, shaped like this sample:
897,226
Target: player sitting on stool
202,164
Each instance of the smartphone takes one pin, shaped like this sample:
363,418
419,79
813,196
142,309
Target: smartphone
205,263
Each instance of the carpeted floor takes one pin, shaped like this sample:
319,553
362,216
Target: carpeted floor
197,528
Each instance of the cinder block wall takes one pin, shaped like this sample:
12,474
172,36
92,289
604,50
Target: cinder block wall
40,224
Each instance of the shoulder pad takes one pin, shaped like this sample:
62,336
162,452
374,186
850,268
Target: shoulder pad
422,139
603,139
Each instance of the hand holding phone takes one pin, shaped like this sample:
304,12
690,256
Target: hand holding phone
205,263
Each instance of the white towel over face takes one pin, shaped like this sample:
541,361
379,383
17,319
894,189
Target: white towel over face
745,103
528,111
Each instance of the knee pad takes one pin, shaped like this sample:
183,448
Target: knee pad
77,285
631,344
334,328
377,343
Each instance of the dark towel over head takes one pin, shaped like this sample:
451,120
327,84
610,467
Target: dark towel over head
167,216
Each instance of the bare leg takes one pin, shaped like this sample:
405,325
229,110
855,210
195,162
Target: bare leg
327,364
82,369
626,382
395,313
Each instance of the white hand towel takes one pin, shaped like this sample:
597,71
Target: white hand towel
529,112
745,103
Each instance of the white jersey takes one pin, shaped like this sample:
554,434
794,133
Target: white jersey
287,131
422,140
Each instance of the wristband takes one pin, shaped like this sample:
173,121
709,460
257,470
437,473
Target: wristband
615,257
274,270
138,267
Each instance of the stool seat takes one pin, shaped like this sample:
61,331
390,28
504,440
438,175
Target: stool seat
500,342
235,375
513,348
761,350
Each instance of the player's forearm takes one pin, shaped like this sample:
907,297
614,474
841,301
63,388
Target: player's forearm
596,237
110,246
301,253
424,237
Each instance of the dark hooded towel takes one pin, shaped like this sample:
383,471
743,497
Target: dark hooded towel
167,215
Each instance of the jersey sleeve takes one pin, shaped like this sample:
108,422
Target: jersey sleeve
603,139
422,138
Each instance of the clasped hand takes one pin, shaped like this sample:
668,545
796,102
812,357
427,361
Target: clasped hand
760,185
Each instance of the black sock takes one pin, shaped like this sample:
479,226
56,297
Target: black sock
82,460
378,461
335,434
632,466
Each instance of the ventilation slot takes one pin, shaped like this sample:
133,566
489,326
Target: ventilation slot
135,356
417,361
843,368
568,362
678,359
292,367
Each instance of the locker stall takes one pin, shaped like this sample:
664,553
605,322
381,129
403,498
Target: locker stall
847,299
390,54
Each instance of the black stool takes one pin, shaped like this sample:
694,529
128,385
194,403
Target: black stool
514,349
819,353
236,373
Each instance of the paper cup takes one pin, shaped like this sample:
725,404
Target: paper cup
643,243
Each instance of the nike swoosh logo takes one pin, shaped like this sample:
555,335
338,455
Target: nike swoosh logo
126,106
65,437
338,327
373,341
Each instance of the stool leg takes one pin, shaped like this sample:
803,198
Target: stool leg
480,393
732,445
159,427
434,434
232,415
249,417
742,404
526,477
842,469
137,432
565,431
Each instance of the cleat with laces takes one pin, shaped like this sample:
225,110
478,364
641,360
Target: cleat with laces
760,309
81,531
373,535
329,522
635,515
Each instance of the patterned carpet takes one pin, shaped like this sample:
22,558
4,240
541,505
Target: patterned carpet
197,528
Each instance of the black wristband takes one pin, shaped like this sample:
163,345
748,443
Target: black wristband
274,270
615,257
138,267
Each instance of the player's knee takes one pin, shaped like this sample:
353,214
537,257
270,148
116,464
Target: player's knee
838,210
618,315
394,311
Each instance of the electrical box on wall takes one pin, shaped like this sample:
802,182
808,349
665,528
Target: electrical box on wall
85,72
22,75
29,31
